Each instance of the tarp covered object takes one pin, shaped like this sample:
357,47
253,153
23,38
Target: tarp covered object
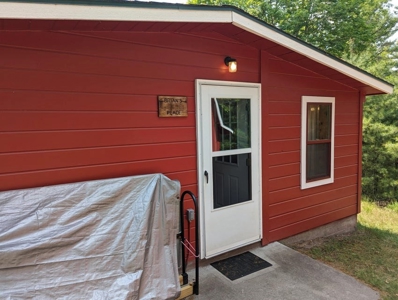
103,239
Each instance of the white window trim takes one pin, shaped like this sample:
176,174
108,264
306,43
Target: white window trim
304,102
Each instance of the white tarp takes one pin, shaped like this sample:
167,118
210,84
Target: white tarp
103,239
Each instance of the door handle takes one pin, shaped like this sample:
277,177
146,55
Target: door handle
207,176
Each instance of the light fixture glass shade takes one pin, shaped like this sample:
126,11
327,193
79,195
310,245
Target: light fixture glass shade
233,66
231,63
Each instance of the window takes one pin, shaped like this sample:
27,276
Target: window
317,141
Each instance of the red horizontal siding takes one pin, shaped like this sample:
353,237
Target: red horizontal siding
345,171
71,139
88,83
82,106
284,170
185,177
277,146
45,121
140,49
342,129
284,120
315,221
283,108
281,183
75,63
275,94
343,161
282,208
295,192
284,133
311,211
171,166
296,81
347,118
346,139
13,100
180,41
42,160
345,150
275,66
284,158
290,209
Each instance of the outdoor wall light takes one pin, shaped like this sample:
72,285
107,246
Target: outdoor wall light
231,63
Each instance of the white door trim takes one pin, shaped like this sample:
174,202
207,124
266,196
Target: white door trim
199,137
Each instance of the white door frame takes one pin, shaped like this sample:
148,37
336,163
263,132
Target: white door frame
199,138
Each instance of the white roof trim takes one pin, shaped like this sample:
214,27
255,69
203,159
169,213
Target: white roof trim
255,28
96,11
19,10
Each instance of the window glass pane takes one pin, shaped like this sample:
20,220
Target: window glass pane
318,161
231,124
318,121
232,183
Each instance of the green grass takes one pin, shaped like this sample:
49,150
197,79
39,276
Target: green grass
393,206
370,253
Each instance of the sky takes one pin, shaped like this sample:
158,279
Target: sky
395,36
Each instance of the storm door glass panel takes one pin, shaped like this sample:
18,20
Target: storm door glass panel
318,140
231,124
231,179
231,132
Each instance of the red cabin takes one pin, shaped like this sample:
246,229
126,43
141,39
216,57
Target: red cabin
264,128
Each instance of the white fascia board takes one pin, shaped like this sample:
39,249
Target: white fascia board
18,10
267,33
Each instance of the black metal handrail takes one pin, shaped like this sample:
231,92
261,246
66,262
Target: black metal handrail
183,240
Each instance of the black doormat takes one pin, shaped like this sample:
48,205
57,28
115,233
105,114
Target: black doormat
240,265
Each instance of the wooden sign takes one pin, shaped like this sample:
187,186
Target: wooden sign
172,106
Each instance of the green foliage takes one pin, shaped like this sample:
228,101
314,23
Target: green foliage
250,6
380,127
380,160
342,27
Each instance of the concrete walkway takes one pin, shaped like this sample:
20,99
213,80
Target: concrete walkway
292,276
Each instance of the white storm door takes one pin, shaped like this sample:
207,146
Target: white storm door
229,138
